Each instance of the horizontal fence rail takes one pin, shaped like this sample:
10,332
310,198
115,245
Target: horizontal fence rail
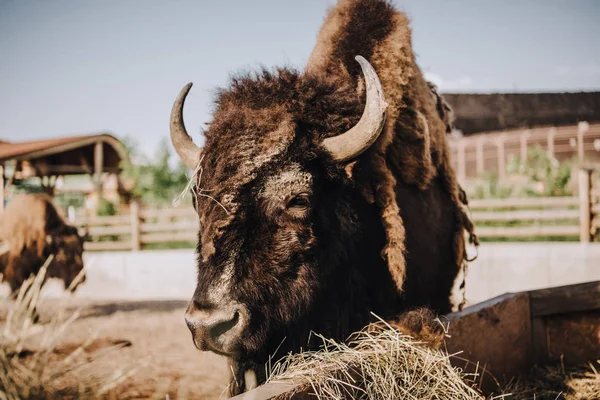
567,218
516,218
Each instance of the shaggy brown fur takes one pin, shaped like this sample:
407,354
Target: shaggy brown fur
421,324
33,229
299,242
413,146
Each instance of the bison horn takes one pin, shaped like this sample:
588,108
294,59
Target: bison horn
360,137
183,143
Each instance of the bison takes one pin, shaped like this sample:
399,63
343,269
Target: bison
323,196
30,231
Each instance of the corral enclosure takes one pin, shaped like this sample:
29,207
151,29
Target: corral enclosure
528,162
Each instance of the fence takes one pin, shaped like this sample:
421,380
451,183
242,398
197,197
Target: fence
140,228
574,218
472,155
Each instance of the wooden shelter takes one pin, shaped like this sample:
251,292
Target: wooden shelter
478,112
50,158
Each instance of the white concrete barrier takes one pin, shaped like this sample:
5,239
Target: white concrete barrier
142,275
514,267
500,268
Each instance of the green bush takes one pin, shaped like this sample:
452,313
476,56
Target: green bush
105,208
541,177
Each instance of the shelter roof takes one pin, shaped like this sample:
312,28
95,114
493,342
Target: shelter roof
66,155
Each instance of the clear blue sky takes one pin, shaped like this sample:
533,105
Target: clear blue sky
81,66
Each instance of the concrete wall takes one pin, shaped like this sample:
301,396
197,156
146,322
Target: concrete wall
513,267
120,275
500,268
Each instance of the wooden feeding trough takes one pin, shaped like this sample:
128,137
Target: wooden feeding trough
507,335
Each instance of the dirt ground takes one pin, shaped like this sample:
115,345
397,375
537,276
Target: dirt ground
158,346
158,350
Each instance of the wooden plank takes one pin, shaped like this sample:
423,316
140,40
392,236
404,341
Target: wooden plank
134,208
525,202
526,231
564,299
167,227
109,230
539,338
168,212
495,335
169,237
573,337
525,215
107,220
98,165
585,212
501,157
107,246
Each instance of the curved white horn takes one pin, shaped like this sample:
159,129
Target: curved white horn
183,143
360,137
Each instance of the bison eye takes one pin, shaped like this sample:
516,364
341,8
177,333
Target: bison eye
299,201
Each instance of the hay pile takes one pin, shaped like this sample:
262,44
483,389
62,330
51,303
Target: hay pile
376,363
557,382
382,362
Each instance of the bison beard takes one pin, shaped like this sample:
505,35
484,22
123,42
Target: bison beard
296,238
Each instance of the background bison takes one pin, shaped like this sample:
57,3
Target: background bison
31,230
331,195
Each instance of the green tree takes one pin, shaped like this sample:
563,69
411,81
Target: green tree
155,183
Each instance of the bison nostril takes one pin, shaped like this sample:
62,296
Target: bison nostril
215,329
224,326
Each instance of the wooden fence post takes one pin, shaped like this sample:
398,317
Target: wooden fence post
550,145
582,128
585,212
524,136
134,209
501,157
479,155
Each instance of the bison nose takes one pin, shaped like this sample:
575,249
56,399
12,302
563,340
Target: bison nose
215,329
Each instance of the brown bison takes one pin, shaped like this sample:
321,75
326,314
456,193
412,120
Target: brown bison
30,231
323,195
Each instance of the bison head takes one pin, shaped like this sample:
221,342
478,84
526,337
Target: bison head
67,263
286,235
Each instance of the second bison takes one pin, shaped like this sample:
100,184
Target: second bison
30,231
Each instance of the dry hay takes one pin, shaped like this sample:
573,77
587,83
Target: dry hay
381,362
49,371
377,363
557,382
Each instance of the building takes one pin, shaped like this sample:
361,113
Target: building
98,156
